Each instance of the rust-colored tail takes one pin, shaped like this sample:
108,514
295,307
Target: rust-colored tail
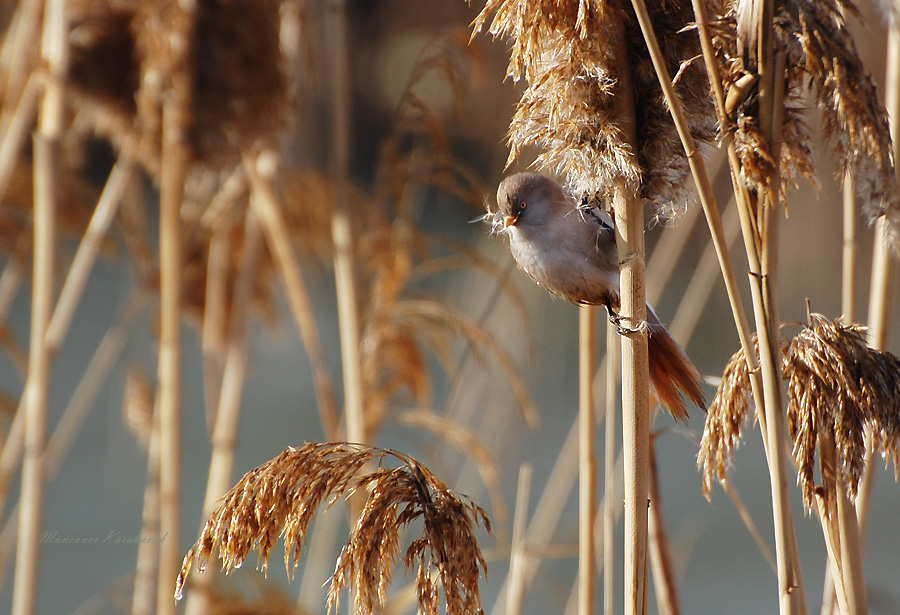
671,371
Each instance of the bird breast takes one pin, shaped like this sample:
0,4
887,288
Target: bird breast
578,263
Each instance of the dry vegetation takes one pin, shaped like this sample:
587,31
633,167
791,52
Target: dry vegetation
235,187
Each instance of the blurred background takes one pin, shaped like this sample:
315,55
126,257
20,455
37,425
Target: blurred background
467,365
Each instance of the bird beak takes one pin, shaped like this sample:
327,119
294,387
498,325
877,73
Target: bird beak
509,221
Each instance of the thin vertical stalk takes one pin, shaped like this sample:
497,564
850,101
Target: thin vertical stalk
224,433
660,552
849,252
609,468
174,160
827,511
792,595
147,566
515,590
212,336
851,552
46,173
587,474
760,237
342,228
274,227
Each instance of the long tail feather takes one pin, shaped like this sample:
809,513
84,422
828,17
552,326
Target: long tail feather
671,371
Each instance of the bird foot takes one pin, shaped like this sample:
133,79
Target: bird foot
621,329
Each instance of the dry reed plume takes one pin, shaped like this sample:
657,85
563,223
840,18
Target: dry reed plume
820,56
122,59
280,497
837,388
566,52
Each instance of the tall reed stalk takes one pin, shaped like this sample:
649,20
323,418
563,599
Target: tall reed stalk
46,194
610,503
174,160
234,374
260,171
587,464
342,227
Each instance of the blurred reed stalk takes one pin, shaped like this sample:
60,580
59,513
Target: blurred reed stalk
146,572
663,569
849,253
54,54
260,172
587,463
234,375
173,162
610,501
515,587
213,334
341,223
65,306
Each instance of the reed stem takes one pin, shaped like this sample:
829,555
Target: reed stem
635,394
587,474
342,227
147,565
515,590
849,252
610,501
665,585
174,159
274,228
227,415
46,193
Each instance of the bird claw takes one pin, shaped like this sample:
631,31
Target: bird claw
616,321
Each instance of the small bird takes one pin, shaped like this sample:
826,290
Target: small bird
571,251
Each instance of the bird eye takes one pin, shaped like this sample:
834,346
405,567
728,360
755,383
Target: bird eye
522,205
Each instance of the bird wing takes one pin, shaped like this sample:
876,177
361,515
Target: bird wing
593,210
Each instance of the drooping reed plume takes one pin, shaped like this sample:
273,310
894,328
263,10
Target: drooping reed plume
565,52
837,385
280,497
838,390
820,57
